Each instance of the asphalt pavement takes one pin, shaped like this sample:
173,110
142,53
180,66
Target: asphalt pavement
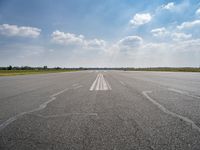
90,110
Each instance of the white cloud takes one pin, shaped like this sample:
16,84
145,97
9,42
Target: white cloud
140,19
174,53
67,38
175,7
159,32
180,36
149,54
95,43
198,12
21,31
130,42
188,25
174,35
168,6
126,45
76,40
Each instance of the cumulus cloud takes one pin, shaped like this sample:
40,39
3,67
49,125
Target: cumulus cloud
188,45
180,7
159,32
67,38
168,6
145,54
180,36
126,45
76,40
130,42
95,43
140,19
174,53
198,12
21,31
188,25
174,35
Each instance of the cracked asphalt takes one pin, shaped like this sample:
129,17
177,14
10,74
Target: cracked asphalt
58,111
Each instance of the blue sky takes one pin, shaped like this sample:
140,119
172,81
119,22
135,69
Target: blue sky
93,33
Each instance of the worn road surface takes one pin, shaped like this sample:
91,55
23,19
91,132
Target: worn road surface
113,110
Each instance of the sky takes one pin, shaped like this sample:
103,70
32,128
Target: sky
100,33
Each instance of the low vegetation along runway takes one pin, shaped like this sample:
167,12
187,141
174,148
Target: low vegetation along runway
100,110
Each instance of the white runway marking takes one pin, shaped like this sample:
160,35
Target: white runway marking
42,106
58,93
165,110
182,92
77,87
94,83
100,83
122,83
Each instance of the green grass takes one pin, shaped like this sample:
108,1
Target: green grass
29,72
43,71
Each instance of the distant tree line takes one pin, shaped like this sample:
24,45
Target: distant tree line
38,68
182,69
177,69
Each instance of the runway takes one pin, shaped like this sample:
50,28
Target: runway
101,110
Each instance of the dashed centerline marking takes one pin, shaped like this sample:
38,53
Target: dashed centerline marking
77,87
122,83
165,110
100,84
182,92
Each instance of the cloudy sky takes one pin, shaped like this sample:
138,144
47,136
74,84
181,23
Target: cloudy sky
100,33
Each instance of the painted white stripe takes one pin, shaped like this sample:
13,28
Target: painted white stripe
94,83
177,91
122,83
59,92
102,79
105,87
108,85
77,87
100,83
165,110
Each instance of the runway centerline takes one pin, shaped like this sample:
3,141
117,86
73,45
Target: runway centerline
100,84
